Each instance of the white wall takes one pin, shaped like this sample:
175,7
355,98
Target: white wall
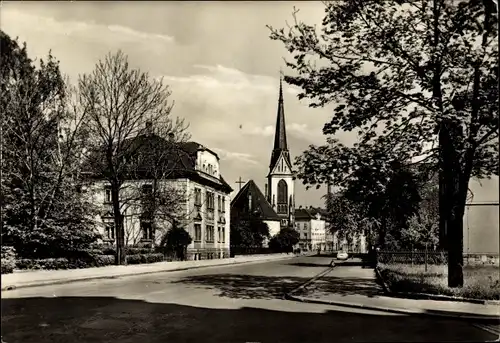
274,227
205,159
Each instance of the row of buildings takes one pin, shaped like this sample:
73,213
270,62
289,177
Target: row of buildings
204,207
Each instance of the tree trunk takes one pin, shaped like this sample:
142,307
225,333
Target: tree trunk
118,218
452,203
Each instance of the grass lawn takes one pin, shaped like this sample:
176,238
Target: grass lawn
480,281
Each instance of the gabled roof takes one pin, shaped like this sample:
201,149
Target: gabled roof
157,156
259,203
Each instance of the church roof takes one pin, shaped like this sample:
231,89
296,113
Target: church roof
280,143
259,203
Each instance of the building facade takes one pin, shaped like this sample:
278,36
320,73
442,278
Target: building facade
201,204
310,223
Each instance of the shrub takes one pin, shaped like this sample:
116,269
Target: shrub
480,282
8,259
145,258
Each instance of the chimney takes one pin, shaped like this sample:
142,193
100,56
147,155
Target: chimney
265,192
170,137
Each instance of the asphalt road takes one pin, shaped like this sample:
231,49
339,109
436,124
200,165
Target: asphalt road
242,303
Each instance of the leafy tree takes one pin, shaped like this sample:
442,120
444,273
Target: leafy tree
423,227
120,104
176,241
45,214
248,230
285,240
415,79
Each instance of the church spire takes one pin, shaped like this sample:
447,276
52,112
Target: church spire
280,134
280,143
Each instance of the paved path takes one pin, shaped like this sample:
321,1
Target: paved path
350,283
241,303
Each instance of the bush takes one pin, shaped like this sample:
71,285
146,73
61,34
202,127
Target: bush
8,259
144,258
111,250
480,282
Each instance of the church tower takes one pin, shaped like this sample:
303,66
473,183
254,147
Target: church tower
280,188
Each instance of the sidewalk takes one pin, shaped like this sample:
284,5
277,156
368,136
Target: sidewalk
23,279
356,287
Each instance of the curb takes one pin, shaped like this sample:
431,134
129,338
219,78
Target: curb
427,296
495,319
92,278
290,296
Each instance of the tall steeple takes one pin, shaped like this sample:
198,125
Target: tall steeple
280,143
281,183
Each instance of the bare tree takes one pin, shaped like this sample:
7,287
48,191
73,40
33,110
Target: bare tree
122,104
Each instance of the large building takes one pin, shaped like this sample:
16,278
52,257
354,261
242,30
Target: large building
200,199
276,206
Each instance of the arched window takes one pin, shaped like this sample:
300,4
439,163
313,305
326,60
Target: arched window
282,197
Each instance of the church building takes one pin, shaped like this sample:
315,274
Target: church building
276,205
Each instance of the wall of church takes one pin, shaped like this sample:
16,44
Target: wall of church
273,188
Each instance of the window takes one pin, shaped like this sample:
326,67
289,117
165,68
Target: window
107,194
219,203
223,204
109,231
197,197
210,201
210,233
147,230
197,232
282,197
220,234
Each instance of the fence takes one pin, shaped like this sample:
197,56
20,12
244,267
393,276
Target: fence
239,250
432,257
412,257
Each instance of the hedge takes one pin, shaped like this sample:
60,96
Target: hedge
129,250
145,258
8,256
96,261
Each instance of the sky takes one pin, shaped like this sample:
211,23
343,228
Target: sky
217,57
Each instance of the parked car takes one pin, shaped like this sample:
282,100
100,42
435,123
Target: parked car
342,255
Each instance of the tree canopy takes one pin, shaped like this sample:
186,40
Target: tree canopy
45,214
248,230
414,80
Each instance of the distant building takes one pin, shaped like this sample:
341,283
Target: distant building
311,225
204,209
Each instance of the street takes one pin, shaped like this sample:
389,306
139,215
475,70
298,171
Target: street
241,303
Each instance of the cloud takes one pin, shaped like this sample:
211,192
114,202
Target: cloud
81,29
300,130
239,156
219,78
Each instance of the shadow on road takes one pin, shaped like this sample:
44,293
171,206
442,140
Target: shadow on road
317,265
108,319
245,286
344,286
